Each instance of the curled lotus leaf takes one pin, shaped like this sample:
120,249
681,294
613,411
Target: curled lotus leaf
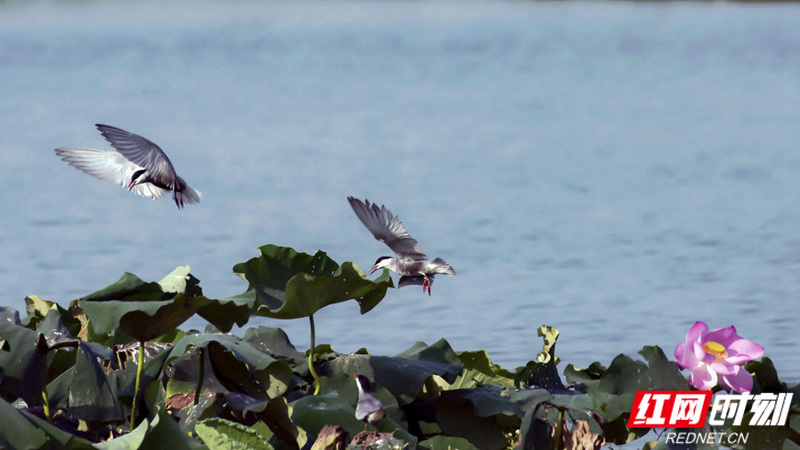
286,284
142,310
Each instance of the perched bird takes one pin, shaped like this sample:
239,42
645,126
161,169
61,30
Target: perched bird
369,409
410,261
138,164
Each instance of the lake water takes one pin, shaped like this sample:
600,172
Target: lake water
616,170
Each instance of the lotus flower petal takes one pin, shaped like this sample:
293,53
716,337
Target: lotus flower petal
724,336
696,332
743,351
703,378
723,368
684,355
740,381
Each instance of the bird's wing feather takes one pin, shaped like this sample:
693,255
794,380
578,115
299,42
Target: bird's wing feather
141,151
190,195
387,229
416,280
367,404
107,166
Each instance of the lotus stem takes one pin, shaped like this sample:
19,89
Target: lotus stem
138,379
202,374
557,435
311,356
46,406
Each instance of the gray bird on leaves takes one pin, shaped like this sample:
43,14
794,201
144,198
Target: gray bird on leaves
138,164
368,408
410,261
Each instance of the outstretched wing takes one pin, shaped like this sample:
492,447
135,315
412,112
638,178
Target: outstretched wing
142,152
108,166
387,229
416,280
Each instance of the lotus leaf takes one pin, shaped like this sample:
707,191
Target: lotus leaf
479,370
18,433
285,284
403,377
221,434
9,316
24,363
447,443
85,389
278,415
313,412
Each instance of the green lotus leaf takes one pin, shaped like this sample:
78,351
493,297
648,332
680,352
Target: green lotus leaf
613,393
537,428
239,366
486,401
130,441
447,443
184,380
440,351
59,439
221,434
664,374
165,433
455,413
18,433
275,342
226,312
142,310
85,389
53,328
285,284
342,384
244,352
24,362
766,377
479,370
313,412
129,287
277,414
125,379
575,374
146,311
9,316
403,377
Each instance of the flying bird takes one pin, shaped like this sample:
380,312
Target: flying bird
410,261
368,408
138,164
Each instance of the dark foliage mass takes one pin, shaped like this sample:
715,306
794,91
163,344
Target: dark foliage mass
113,371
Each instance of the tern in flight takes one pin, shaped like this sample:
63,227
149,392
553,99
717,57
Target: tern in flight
138,164
410,261
368,408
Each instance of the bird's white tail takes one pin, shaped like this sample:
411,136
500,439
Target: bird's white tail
440,266
191,195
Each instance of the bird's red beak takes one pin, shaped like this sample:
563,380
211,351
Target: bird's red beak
374,268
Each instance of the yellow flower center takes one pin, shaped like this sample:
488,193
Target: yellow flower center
716,349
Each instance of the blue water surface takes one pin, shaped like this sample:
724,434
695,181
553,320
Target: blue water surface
616,170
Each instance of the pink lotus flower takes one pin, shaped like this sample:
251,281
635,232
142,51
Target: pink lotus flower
715,357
